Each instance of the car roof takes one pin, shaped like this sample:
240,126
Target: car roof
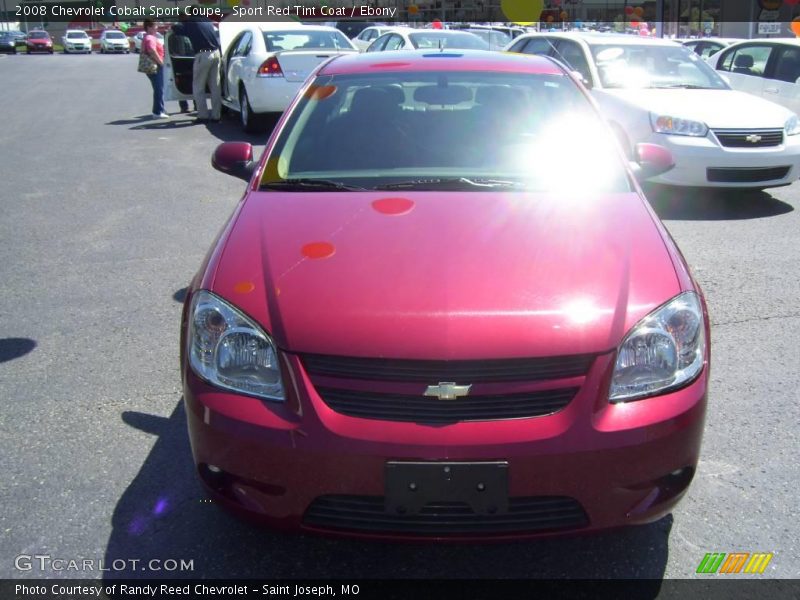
594,37
791,41
291,25
436,60
712,39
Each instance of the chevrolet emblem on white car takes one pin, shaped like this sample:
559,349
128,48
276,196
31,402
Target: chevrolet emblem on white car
753,138
447,390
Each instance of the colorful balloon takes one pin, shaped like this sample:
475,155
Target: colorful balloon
522,12
796,26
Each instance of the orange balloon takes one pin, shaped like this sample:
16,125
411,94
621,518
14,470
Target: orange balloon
549,18
413,9
564,15
796,26
638,11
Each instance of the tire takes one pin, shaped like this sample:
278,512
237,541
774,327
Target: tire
251,122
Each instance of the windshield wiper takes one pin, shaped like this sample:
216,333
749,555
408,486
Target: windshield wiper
455,183
303,184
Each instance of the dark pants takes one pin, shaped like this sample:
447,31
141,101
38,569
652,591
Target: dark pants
157,81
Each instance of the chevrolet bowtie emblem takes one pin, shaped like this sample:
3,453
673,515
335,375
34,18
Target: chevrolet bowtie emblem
447,390
753,138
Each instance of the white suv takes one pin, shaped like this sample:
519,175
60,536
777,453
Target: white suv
113,40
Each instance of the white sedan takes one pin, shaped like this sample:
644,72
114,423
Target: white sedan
369,35
263,65
660,92
113,40
405,38
76,40
769,68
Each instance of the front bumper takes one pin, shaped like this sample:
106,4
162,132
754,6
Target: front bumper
279,463
703,162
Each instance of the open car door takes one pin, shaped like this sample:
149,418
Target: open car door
178,64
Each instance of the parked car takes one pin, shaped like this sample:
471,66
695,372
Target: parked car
657,91
137,40
19,36
7,43
76,40
769,68
113,40
369,35
438,333
350,28
263,65
497,40
421,39
705,47
39,41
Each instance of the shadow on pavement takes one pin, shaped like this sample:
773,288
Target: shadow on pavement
164,514
11,348
230,130
702,204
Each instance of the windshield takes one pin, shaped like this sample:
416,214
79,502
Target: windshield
452,40
651,66
445,130
38,35
115,35
305,40
76,35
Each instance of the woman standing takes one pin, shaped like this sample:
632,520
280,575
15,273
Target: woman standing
154,48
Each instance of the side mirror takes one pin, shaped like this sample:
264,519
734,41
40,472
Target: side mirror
234,158
651,160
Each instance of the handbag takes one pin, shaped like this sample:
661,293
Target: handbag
147,65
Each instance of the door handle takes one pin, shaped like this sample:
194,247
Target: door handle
771,90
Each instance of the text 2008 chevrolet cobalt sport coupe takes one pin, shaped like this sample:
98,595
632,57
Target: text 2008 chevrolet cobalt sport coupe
444,310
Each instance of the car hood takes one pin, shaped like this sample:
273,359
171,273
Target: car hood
719,109
445,275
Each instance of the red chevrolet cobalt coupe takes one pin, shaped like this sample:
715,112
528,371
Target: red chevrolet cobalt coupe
444,310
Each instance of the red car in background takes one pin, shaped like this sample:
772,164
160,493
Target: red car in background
443,309
39,41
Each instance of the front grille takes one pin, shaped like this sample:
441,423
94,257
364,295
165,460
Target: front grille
433,371
422,409
749,138
746,175
367,514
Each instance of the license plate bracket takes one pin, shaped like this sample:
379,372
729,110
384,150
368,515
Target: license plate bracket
412,485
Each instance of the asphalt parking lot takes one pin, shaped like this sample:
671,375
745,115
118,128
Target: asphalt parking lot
106,215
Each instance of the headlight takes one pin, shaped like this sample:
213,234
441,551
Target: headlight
792,126
230,351
676,126
665,350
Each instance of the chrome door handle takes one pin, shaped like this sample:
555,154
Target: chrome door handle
771,90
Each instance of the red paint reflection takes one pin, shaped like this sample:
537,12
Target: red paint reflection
393,206
318,250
